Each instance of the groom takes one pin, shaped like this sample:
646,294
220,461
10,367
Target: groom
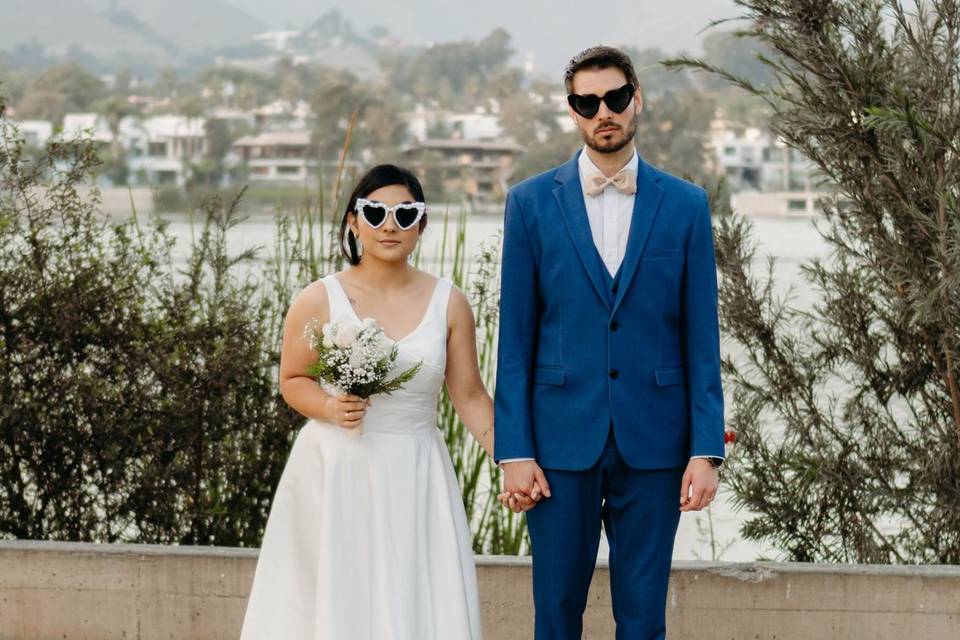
608,396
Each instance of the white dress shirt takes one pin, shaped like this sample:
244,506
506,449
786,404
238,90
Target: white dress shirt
609,213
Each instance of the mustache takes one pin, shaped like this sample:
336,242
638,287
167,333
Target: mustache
606,125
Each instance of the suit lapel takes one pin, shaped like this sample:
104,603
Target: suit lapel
646,204
569,196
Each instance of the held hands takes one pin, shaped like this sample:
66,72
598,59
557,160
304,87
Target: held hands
347,411
524,485
699,486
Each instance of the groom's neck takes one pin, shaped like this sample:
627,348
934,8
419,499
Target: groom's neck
610,163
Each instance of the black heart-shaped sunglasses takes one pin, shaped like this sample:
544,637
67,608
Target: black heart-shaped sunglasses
617,100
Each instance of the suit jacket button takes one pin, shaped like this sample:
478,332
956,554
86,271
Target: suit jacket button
614,374
614,288
614,325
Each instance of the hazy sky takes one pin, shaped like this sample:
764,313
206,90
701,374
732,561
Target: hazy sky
546,31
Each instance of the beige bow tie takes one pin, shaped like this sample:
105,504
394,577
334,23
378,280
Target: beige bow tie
625,182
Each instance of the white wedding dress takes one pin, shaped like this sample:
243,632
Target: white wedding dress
367,538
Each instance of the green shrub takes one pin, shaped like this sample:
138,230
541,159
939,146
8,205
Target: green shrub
139,400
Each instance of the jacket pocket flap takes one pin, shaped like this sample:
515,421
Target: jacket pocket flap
661,253
549,375
669,376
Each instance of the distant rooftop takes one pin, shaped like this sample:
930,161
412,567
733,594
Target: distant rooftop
472,145
84,125
275,139
175,127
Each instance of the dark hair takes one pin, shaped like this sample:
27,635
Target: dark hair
599,57
382,175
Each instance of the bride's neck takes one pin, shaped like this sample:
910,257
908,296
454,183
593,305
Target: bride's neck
378,275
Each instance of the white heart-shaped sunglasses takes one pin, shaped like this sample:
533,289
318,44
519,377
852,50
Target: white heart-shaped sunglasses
405,214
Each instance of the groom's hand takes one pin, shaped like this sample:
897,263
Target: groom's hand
699,486
519,503
525,483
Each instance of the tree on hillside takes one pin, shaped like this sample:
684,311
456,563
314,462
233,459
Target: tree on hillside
673,132
29,57
13,84
114,109
336,95
79,90
464,67
656,79
540,156
166,84
738,54
42,105
122,80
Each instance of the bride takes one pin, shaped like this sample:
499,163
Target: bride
367,536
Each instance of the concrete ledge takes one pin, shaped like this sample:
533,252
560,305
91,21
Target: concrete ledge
80,591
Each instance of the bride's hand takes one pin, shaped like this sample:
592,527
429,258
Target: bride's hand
347,411
519,502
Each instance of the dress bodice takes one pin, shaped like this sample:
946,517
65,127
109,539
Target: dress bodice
414,407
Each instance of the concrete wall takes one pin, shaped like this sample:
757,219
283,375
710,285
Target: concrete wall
99,592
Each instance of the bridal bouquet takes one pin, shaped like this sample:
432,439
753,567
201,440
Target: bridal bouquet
355,359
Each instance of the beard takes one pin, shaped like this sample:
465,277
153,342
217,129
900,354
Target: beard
613,145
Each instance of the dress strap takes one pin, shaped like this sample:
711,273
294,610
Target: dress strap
441,300
336,298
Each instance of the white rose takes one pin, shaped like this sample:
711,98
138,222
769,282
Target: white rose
345,335
327,331
369,323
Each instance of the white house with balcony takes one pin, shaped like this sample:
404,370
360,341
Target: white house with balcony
165,149
278,156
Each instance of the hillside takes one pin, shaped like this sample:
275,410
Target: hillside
545,31
156,29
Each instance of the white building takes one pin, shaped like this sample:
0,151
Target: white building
476,169
278,41
87,126
282,115
777,203
278,156
479,125
35,133
235,118
158,150
165,147
755,161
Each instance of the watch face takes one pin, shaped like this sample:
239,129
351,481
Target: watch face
716,462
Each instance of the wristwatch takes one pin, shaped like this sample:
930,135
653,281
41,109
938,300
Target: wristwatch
715,462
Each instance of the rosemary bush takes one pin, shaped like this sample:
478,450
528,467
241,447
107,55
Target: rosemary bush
847,414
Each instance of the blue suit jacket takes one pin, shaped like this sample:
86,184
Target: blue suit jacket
576,354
